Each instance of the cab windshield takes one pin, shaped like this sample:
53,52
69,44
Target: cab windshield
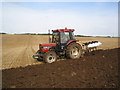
62,37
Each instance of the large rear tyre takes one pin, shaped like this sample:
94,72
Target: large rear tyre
73,51
50,57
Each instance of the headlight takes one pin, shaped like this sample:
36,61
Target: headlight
46,47
62,47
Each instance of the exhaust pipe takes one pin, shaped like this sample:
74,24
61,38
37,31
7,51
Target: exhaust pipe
49,36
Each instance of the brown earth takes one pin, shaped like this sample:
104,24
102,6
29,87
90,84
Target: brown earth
98,69
17,50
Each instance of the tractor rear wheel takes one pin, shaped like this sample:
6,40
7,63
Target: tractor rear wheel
50,57
73,51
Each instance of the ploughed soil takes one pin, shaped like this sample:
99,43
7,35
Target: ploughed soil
98,69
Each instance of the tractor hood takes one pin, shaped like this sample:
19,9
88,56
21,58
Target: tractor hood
46,47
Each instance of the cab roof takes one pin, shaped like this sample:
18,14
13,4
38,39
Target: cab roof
58,30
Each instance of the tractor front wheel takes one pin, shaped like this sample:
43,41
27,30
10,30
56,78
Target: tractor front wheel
73,51
50,57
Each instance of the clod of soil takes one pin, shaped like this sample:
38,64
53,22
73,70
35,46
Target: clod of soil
98,69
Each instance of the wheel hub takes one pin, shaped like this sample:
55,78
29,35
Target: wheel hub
51,58
75,51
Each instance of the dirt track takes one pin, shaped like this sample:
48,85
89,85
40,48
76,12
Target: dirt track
17,50
97,69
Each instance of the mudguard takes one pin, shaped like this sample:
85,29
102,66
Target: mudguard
71,41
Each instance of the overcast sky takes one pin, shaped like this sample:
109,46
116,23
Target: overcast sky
87,18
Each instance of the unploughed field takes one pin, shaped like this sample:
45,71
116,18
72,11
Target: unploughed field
98,69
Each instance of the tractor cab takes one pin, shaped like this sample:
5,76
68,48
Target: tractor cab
62,36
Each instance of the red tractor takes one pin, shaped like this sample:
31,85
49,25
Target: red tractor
63,44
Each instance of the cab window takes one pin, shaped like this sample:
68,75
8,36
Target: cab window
65,37
55,37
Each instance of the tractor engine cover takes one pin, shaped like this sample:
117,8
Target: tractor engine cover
46,47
